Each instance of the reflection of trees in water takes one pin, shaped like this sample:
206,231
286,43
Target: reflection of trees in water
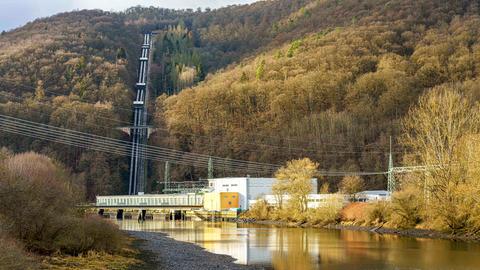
292,250
405,252
296,248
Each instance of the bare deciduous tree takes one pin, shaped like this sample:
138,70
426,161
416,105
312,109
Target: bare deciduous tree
296,179
351,185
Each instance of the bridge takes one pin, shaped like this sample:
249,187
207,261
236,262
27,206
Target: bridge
152,206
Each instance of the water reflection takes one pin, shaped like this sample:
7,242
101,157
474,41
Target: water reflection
296,248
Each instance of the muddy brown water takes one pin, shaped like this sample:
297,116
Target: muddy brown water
311,248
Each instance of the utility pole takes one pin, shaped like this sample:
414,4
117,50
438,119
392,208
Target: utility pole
166,177
210,168
391,177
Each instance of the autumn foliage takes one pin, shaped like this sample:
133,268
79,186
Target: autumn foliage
270,82
37,210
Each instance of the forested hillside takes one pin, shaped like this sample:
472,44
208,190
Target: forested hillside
71,71
335,94
275,80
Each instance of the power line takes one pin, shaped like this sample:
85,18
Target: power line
57,94
115,150
335,153
210,137
110,145
80,112
44,129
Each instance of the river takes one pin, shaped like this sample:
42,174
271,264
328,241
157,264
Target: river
311,248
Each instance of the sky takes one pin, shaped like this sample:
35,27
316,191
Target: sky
15,13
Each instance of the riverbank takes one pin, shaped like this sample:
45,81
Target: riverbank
417,233
168,254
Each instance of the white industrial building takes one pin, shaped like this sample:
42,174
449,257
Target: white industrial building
313,200
372,195
249,188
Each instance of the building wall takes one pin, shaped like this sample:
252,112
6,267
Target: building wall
211,201
257,187
217,201
372,195
229,200
247,187
234,184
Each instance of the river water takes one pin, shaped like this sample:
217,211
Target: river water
300,248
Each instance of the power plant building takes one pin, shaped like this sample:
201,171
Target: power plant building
249,189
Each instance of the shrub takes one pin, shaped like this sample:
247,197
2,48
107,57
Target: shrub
12,257
86,234
34,197
351,185
330,213
406,208
355,212
459,211
378,213
37,207
259,210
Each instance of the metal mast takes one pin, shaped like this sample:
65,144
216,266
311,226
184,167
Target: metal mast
391,176
210,168
167,176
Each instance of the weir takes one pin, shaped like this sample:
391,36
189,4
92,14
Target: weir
189,206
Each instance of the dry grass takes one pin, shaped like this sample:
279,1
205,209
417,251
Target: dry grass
124,259
12,256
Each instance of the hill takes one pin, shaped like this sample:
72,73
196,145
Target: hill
271,81
335,94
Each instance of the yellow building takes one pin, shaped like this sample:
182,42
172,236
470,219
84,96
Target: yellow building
218,201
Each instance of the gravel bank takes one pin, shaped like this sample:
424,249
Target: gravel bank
176,255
